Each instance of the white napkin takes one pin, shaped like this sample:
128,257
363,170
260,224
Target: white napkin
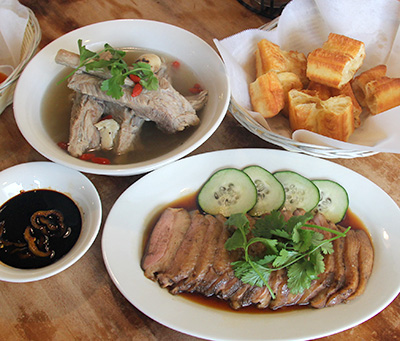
13,21
303,26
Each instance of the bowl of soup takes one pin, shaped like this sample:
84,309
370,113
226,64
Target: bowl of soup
172,123
50,216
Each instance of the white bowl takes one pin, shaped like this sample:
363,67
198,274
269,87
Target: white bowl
171,40
48,175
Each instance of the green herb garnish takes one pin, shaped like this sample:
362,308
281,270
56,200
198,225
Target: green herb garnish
117,67
287,244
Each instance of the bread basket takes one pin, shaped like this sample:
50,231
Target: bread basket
29,46
244,118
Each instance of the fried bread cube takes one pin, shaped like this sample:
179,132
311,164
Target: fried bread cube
270,57
336,62
335,118
382,94
267,95
358,84
289,81
303,109
332,117
325,92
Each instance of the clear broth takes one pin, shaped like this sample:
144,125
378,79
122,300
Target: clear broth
56,113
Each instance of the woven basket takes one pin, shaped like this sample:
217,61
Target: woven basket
29,46
243,117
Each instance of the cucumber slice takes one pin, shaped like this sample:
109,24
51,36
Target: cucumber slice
300,191
226,192
270,192
334,200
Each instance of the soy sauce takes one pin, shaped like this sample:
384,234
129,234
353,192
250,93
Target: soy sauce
17,228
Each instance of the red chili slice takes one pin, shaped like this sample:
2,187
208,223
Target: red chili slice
101,160
87,156
107,117
137,89
135,78
63,145
176,64
195,90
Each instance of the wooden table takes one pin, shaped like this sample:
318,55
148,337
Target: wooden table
82,303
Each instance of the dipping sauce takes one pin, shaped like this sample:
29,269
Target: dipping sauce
37,228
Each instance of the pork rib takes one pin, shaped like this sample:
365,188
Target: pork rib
130,126
83,135
72,60
164,106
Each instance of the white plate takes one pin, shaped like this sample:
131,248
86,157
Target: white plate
132,212
153,35
48,175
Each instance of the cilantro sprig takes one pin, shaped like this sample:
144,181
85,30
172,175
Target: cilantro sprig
117,67
287,245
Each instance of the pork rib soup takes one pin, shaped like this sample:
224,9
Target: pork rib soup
142,131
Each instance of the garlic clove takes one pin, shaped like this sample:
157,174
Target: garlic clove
108,130
152,59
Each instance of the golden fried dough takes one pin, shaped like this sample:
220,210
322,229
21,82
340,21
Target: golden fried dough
336,62
267,95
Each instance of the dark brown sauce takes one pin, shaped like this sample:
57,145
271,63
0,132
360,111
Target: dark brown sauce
351,219
15,219
56,113
216,303
189,202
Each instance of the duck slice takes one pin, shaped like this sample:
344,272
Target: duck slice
351,251
188,252
207,256
319,300
165,239
365,264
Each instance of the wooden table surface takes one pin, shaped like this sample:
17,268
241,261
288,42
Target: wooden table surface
82,303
